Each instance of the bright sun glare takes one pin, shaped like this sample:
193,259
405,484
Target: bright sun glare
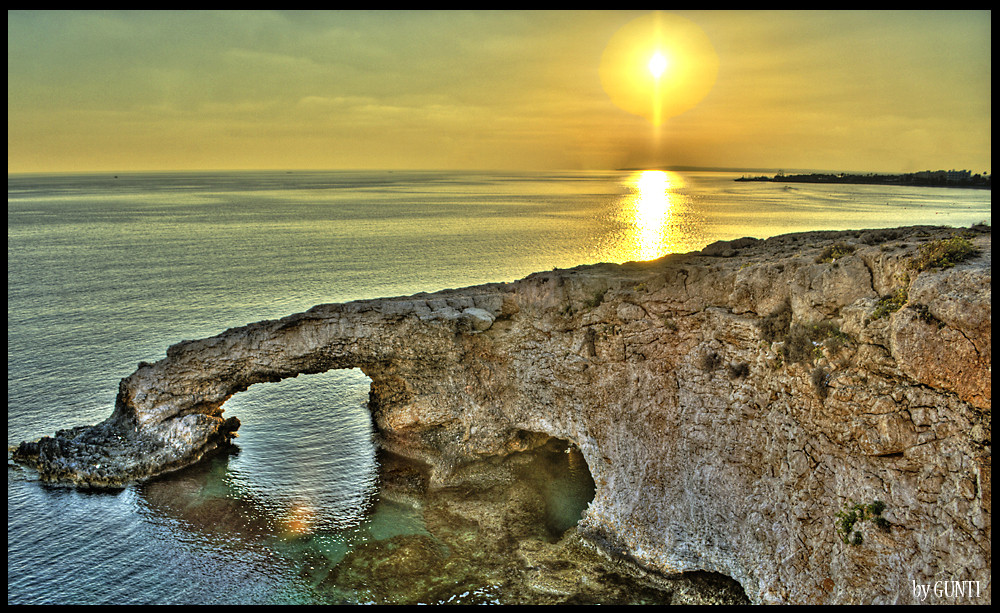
657,64
634,66
652,213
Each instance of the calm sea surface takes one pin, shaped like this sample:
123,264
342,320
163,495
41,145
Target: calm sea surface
104,271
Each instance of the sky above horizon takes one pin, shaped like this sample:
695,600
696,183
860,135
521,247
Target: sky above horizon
855,91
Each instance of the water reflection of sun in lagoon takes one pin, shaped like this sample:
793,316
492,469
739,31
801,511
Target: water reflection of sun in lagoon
648,211
300,519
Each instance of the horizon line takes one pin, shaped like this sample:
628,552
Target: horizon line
672,167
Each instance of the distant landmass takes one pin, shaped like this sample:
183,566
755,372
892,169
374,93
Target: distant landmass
924,178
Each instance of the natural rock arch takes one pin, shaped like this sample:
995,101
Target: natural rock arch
712,446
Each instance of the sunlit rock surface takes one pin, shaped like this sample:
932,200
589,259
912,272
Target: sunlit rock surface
731,404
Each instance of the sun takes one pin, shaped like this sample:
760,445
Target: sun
659,66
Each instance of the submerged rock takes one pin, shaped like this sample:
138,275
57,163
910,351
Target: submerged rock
731,405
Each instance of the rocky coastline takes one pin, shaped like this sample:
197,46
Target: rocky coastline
808,414
941,178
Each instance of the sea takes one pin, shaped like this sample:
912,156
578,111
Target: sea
107,270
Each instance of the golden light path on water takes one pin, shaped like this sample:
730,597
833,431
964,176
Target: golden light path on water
650,213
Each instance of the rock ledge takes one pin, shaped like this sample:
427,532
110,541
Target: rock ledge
731,404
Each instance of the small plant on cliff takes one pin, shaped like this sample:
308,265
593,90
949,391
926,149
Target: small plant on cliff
890,303
805,342
799,347
710,361
834,252
595,300
925,315
740,370
668,322
802,342
944,253
853,514
774,327
819,379
827,331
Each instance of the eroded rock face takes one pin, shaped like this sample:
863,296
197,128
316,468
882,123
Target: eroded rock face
729,404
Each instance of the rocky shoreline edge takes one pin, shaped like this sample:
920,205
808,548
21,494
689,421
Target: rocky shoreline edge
728,402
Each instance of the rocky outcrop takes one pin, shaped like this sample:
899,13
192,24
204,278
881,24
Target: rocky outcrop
807,414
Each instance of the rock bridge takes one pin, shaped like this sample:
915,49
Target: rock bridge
731,404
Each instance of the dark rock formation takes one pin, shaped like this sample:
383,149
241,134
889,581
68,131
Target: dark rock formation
732,404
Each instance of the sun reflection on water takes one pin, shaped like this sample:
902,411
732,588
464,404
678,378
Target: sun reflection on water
652,213
648,212
300,519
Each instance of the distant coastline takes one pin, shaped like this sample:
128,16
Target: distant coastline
925,178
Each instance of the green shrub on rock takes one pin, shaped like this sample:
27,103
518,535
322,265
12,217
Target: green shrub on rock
944,253
890,303
855,513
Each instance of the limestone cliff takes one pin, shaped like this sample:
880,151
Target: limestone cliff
808,414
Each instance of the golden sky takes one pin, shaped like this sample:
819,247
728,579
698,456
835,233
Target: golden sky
893,91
